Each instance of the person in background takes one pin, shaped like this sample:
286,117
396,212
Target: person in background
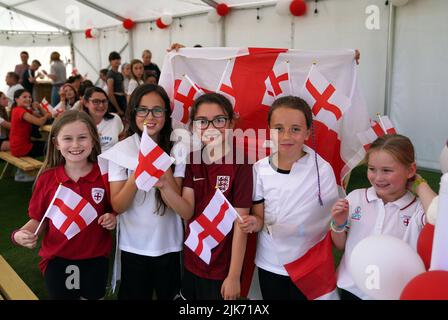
115,89
137,77
21,68
5,125
126,72
12,80
58,75
151,79
30,76
69,98
150,67
75,81
103,79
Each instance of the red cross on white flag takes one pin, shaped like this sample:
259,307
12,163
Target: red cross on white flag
225,86
211,227
387,125
69,212
325,101
377,129
153,162
47,106
278,83
185,92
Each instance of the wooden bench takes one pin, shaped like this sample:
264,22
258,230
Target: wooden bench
29,165
12,286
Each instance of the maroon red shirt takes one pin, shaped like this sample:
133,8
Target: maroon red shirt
235,181
20,133
94,240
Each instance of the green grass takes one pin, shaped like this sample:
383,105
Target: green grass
14,197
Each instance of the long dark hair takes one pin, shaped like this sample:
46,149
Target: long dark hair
3,112
88,94
17,94
164,137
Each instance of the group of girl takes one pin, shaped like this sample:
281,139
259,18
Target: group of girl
293,190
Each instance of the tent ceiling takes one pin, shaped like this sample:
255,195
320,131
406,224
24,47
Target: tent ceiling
91,15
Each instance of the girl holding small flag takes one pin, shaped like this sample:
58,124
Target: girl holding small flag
294,189
387,207
77,239
215,165
149,233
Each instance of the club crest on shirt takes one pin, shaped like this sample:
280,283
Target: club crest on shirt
97,194
405,219
357,214
223,183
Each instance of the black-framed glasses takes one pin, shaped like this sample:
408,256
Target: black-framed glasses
218,122
142,112
97,102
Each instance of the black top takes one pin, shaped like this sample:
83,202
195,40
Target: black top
118,80
27,85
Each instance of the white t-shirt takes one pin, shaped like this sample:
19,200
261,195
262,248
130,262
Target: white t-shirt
133,84
294,221
11,91
142,230
403,219
109,131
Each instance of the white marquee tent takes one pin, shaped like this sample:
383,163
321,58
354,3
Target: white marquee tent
403,49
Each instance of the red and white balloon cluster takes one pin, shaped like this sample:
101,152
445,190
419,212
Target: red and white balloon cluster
92,33
215,15
164,21
296,8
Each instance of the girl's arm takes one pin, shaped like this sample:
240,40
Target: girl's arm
255,221
183,205
339,216
422,189
25,235
122,194
5,124
38,121
231,287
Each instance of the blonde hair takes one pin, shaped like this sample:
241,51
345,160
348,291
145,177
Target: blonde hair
53,157
397,145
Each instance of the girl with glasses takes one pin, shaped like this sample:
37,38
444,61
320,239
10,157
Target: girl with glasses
150,233
109,125
212,118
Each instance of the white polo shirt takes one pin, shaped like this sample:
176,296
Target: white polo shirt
142,230
109,130
403,219
294,221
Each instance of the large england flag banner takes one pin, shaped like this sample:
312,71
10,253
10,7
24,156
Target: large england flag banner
327,80
211,227
69,212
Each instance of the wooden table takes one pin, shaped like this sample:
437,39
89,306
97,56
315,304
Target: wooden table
46,128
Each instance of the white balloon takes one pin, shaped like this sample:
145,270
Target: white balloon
213,16
382,266
282,7
444,159
167,19
399,3
95,33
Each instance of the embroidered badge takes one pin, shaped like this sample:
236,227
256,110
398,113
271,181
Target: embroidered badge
223,183
97,195
405,219
357,214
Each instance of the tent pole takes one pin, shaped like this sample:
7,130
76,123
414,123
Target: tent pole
389,59
131,45
101,9
72,49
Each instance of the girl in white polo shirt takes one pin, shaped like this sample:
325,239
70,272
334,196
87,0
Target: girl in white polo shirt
294,189
387,207
150,233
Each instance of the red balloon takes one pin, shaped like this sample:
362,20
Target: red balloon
222,9
128,24
88,33
424,244
297,8
160,24
431,285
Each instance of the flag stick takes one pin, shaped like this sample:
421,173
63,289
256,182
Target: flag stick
381,123
48,209
192,83
239,216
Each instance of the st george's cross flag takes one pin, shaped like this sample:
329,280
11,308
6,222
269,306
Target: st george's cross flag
185,92
377,129
69,212
225,86
278,83
211,227
153,162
